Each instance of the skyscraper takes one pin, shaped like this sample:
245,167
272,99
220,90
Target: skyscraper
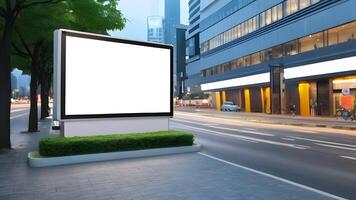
155,29
171,20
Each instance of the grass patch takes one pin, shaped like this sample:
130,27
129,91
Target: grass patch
35,154
61,146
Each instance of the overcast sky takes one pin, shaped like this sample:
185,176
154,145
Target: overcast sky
136,11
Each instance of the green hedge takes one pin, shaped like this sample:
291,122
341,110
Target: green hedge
61,146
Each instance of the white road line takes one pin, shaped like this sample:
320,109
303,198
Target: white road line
209,124
289,139
243,131
305,131
18,110
321,141
180,120
248,138
336,147
17,116
348,157
275,177
251,129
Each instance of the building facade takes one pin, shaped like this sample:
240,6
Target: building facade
193,49
171,20
272,56
155,31
180,61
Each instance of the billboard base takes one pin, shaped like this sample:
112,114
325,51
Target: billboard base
91,127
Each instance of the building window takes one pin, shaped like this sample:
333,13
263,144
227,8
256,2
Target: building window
290,6
240,62
277,51
311,42
255,58
291,48
247,61
304,4
268,16
262,19
342,34
279,11
274,14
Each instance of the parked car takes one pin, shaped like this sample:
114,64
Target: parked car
229,106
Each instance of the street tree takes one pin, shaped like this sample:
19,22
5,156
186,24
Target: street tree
34,41
9,12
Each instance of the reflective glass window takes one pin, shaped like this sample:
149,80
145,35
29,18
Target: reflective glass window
255,58
291,48
268,16
311,42
304,3
262,20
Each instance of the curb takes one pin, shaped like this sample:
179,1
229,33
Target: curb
76,159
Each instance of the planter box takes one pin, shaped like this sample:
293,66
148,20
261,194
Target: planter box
67,160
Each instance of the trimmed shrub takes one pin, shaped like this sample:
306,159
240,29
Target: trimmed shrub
61,146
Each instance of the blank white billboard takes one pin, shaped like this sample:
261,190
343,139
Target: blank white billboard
111,77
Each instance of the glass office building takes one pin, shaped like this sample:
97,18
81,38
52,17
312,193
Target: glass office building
155,29
268,56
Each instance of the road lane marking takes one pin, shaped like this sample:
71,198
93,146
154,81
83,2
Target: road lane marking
348,157
251,129
336,147
288,139
209,124
17,116
249,138
246,140
305,131
181,120
322,141
18,110
243,131
275,177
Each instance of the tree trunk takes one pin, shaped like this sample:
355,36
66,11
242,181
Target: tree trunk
33,117
5,84
44,96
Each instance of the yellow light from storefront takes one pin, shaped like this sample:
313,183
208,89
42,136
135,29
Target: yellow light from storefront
346,80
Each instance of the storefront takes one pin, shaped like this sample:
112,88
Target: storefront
317,89
344,93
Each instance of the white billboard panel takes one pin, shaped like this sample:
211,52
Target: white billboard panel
109,77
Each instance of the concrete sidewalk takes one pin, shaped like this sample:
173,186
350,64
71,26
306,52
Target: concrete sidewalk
184,176
328,122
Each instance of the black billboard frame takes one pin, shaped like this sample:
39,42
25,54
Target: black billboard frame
64,116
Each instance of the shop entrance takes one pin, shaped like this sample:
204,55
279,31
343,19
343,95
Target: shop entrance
344,93
266,99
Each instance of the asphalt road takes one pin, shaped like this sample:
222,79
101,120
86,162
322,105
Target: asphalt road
321,158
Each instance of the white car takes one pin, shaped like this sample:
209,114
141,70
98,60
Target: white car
229,106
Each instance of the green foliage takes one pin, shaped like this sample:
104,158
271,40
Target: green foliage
61,146
36,25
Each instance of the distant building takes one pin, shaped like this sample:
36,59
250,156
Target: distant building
171,20
14,82
180,61
155,29
24,85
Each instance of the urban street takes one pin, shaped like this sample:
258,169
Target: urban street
321,158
